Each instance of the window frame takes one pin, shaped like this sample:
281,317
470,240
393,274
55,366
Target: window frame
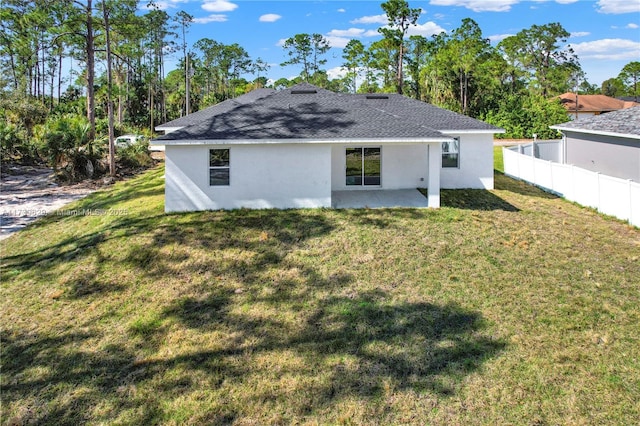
363,177
226,167
456,144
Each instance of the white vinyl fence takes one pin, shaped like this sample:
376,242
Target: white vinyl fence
610,195
545,150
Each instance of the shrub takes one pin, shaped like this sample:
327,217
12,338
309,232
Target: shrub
65,141
135,155
14,144
18,119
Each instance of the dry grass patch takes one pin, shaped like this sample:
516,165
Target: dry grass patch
505,306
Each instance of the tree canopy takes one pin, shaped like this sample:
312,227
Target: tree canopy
105,61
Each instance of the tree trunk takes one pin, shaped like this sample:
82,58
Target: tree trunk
51,88
399,77
60,76
112,148
466,93
90,51
461,81
44,75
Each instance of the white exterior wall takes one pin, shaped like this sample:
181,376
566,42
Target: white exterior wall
271,176
475,163
403,167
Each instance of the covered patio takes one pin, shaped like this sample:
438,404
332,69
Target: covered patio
376,199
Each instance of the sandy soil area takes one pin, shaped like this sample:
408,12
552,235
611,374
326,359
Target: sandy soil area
28,193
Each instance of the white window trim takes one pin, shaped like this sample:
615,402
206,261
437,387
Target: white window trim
362,148
442,154
219,167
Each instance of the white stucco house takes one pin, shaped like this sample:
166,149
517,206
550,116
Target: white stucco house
309,147
607,143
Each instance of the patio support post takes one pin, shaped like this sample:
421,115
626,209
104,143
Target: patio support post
433,181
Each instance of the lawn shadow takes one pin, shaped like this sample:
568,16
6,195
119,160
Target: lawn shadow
355,345
209,230
474,199
61,367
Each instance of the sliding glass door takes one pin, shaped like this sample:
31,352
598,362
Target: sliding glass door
363,166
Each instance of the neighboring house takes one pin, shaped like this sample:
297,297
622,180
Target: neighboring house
308,147
609,143
635,99
588,105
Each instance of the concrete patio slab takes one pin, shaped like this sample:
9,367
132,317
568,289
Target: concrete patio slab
377,199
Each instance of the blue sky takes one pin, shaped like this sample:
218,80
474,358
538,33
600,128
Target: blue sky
605,33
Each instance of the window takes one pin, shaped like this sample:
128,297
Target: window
363,166
218,167
451,153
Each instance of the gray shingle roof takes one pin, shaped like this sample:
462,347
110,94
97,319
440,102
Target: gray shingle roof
622,122
216,109
305,111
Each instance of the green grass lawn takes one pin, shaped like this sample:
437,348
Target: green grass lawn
498,161
503,307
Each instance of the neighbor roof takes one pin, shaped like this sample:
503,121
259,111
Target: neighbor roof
624,122
593,103
307,112
216,109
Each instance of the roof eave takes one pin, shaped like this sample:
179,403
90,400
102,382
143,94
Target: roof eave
466,132
595,132
299,141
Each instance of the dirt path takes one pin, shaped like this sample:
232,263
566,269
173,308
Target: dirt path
27,193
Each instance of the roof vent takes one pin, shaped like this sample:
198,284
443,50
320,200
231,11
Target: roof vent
377,96
304,92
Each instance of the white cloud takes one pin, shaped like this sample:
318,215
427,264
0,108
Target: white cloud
341,10
426,30
617,7
608,48
478,5
374,19
269,17
210,18
336,72
632,26
219,6
281,42
499,37
491,5
351,32
338,42
340,38
579,34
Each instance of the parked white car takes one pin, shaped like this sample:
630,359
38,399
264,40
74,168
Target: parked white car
127,140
